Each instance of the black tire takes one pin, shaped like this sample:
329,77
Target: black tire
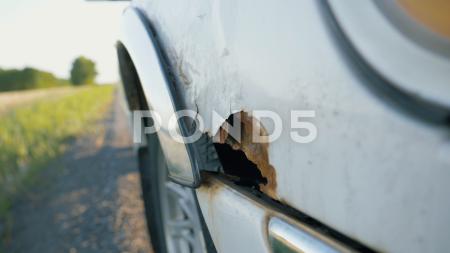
150,194
150,159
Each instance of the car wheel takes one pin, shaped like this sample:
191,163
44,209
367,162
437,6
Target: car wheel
172,211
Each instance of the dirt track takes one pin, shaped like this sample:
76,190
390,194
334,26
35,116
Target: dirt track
88,201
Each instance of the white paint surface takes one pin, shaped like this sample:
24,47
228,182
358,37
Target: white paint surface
372,174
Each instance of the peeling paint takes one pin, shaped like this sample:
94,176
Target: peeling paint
258,153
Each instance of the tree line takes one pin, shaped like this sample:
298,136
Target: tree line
83,72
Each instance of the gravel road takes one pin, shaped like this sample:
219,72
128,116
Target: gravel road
89,200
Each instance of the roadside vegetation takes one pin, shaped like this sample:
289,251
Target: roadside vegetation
35,133
28,78
83,71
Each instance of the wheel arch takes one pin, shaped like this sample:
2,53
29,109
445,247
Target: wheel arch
146,78
132,87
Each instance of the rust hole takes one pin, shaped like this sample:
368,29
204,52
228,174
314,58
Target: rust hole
243,159
236,165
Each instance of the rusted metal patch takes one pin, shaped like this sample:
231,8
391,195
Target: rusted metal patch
256,152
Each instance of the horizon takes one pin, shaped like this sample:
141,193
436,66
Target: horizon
49,34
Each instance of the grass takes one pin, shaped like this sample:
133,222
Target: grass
11,99
34,134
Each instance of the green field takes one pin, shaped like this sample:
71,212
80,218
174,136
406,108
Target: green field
33,134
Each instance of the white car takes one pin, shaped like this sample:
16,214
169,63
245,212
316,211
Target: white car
361,90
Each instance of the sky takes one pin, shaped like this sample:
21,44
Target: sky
50,34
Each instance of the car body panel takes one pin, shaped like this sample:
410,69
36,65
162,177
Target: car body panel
256,223
392,53
225,211
373,173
